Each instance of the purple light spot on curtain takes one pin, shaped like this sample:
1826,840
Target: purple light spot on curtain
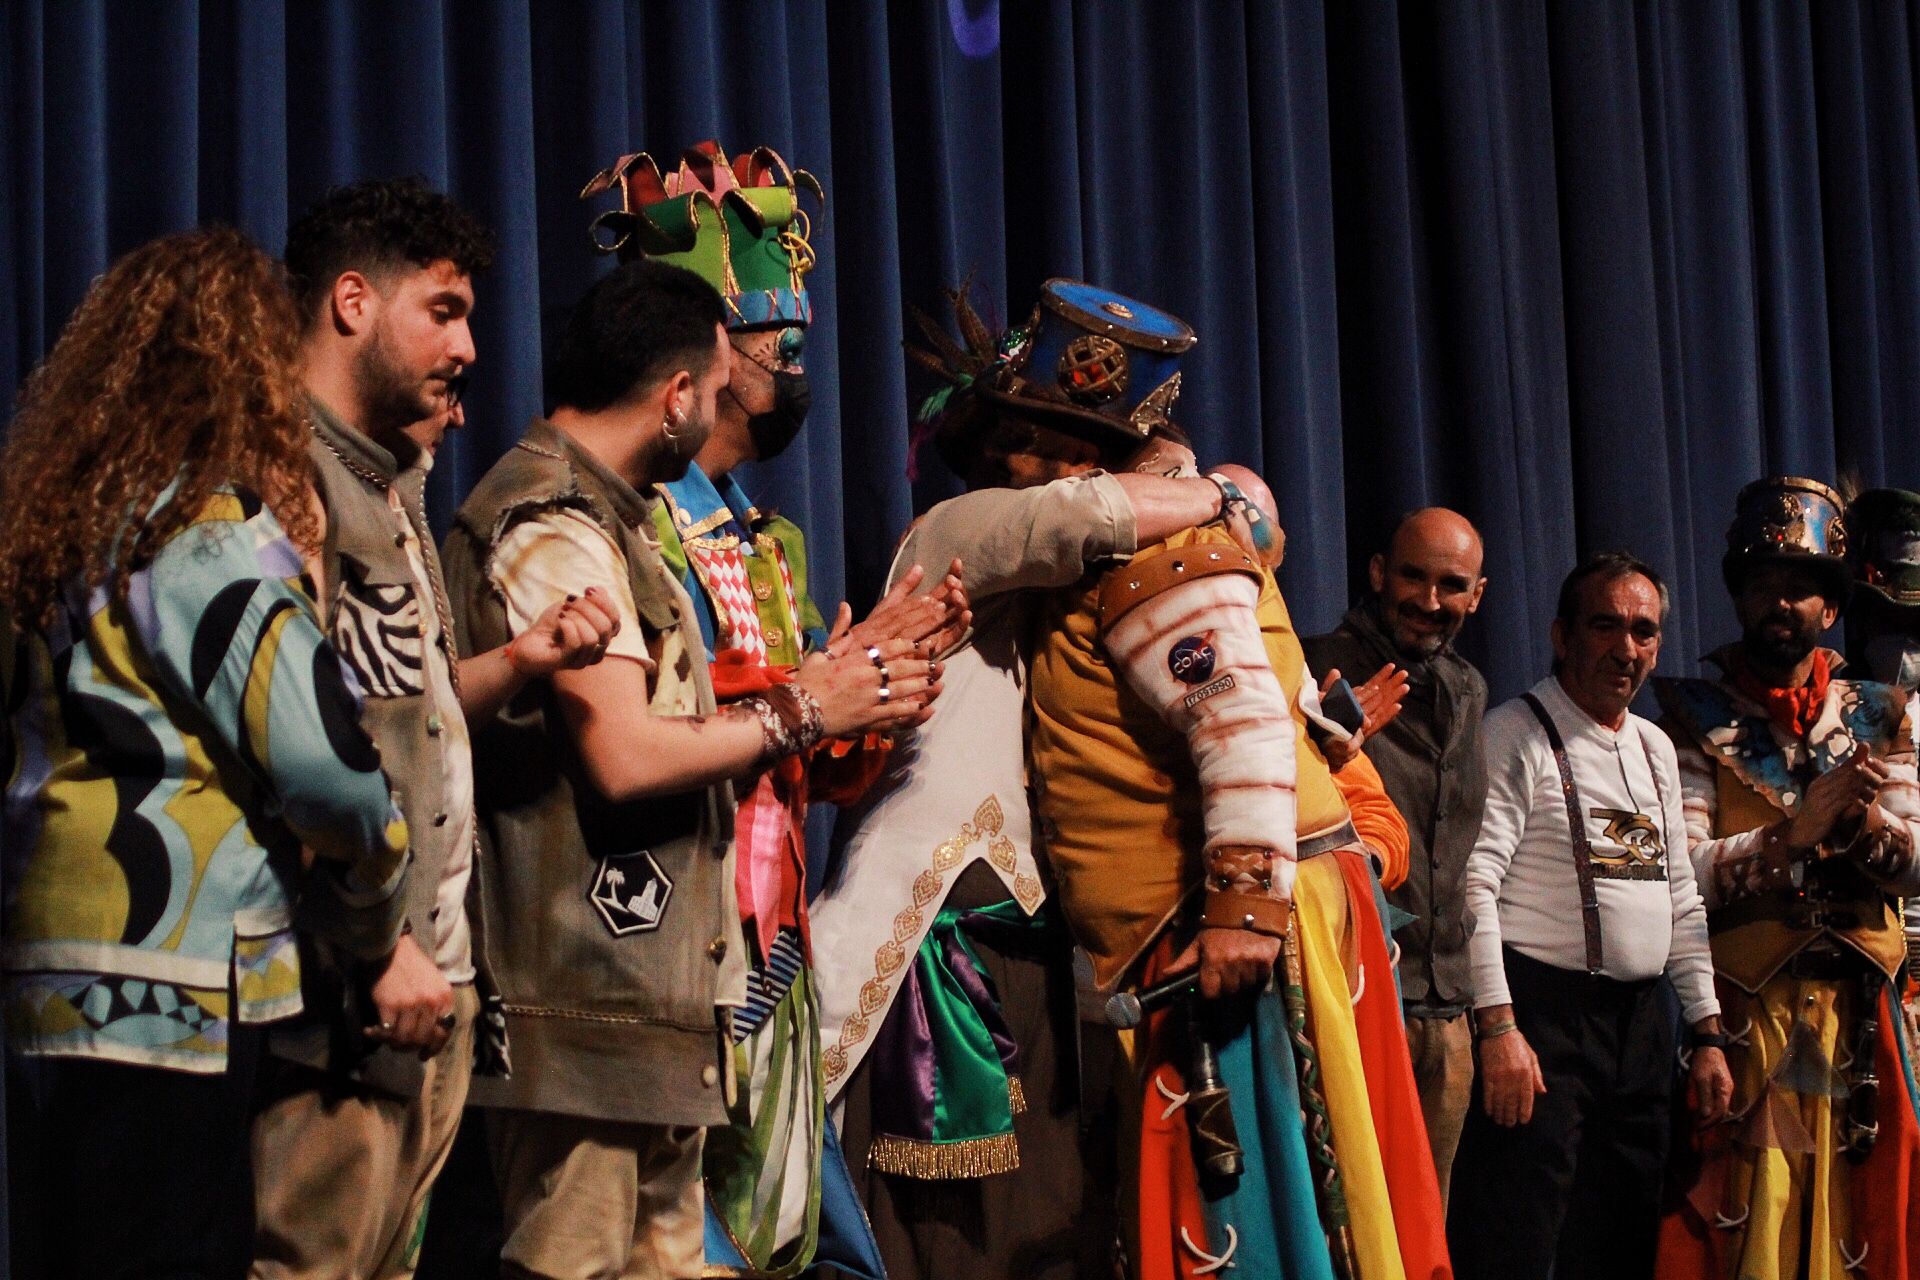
976,36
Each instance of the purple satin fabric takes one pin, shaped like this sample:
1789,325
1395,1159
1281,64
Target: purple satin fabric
902,1054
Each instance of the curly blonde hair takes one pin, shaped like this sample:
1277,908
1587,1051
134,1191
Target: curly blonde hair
178,368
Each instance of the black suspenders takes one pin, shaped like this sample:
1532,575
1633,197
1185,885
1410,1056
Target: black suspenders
1582,847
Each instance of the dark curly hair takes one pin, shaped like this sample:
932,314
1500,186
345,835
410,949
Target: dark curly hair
377,228
178,367
641,322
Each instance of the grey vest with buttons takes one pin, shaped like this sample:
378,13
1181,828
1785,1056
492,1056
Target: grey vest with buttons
371,589
371,592
1436,775
610,930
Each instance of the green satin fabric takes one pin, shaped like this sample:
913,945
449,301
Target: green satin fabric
971,1097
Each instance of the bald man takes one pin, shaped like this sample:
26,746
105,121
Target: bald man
1423,587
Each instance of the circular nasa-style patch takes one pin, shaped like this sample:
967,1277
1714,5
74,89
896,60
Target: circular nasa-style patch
1191,660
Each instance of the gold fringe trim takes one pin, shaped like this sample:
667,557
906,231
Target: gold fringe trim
1016,1096
938,1161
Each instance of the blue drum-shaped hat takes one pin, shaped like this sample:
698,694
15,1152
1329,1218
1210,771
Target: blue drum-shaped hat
1789,520
1096,364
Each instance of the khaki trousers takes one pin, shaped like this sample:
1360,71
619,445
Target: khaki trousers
595,1200
341,1178
1442,1052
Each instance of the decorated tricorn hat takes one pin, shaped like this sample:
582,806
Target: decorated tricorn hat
1789,520
1883,533
1095,364
738,226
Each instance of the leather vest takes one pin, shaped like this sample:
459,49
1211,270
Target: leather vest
1754,937
372,593
611,930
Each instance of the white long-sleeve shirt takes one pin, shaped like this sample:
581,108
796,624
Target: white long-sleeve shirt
1522,889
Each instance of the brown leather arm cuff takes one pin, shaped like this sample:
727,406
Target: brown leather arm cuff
1230,863
1878,847
1771,870
1246,911
1143,578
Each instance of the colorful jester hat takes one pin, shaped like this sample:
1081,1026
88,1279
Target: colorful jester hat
740,227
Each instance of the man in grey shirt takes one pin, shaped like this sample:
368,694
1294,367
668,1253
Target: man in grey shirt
1423,587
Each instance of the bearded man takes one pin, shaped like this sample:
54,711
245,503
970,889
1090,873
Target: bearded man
778,1194
1422,589
1802,812
365,1095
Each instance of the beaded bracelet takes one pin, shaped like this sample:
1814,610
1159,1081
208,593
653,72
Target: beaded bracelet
800,713
791,721
1231,498
776,740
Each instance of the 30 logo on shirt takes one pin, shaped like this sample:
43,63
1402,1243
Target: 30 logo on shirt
1642,850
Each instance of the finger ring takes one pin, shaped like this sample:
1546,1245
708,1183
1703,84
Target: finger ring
886,695
873,656
447,1020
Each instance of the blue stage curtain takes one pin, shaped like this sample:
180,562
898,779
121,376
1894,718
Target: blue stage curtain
1578,269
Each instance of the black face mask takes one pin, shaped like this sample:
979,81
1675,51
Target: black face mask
775,429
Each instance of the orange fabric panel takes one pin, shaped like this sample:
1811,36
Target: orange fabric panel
1376,818
1169,1184
1886,1208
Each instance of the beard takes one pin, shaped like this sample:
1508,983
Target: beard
1421,644
395,398
1777,650
677,452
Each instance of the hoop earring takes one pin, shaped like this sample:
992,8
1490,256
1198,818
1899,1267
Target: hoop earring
670,425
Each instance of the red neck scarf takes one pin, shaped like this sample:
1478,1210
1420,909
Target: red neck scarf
1794,710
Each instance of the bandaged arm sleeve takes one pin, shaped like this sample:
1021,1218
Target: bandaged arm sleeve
1186,640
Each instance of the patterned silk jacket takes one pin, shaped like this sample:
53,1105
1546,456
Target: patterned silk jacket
168,755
